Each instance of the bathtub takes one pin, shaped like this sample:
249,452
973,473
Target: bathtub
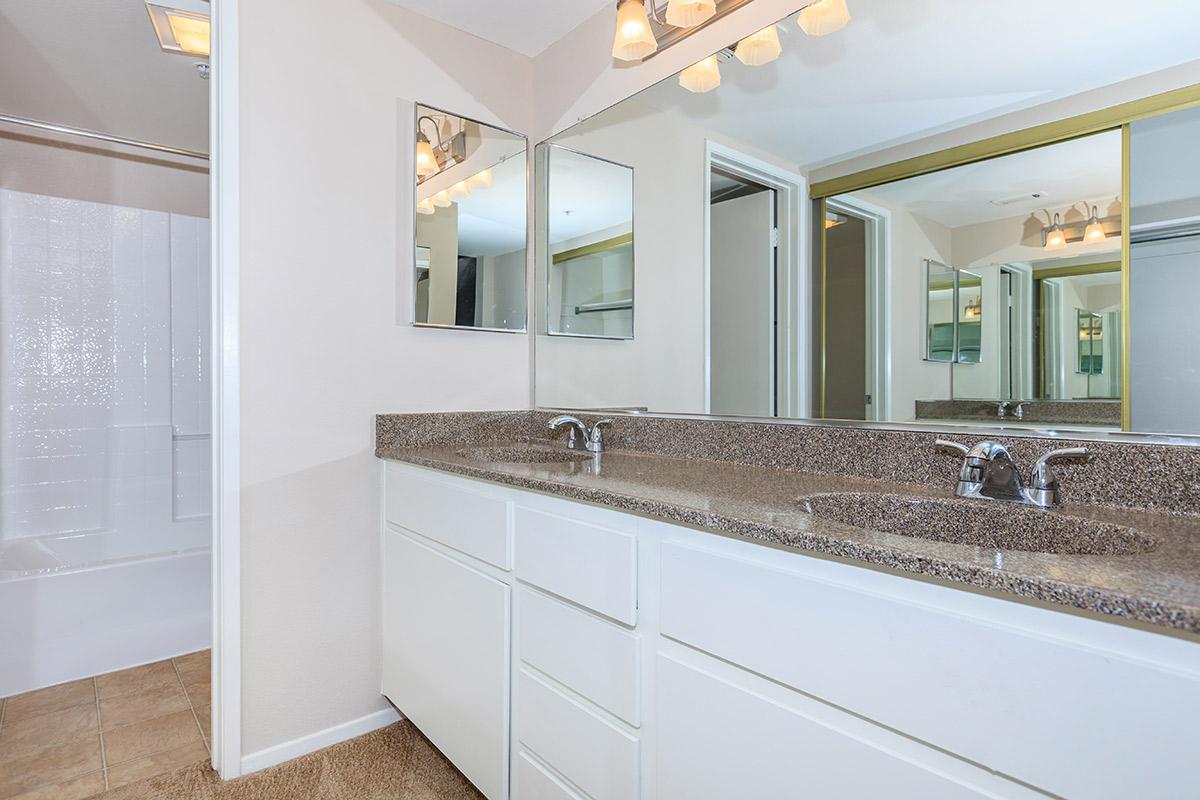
81,604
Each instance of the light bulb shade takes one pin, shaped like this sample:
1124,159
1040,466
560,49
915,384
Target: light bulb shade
442,199
480,180
690,13
824,17
634,40
703,76
1094,232
759,48
426,206
426,161
460,191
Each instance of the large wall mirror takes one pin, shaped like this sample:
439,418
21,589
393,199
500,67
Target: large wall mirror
471,190
823,236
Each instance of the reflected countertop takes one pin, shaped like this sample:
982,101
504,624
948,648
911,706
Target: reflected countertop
1160,587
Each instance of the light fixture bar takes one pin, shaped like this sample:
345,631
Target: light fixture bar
1074,231
668,35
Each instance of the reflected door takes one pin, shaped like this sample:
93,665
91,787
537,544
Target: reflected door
742,306
846,323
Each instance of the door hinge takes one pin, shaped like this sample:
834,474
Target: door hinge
774,237
869,396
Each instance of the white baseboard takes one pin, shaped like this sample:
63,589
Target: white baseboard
315,741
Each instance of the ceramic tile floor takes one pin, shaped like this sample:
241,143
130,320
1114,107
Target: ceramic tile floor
85,737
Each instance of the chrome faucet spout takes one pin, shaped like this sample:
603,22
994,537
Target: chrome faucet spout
593,437
989,472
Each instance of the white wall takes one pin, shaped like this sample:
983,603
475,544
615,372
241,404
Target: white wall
327,92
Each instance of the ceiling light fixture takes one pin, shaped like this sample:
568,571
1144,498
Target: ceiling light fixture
181,30
759,48
824,17
634,40
703,76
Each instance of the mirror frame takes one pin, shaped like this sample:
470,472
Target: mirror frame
542,248
412,172
1114,118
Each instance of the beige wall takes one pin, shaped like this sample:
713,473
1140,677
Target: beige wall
326,147
103,174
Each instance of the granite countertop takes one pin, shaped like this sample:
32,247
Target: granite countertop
1159,586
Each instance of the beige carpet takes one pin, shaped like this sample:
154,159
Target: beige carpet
394,763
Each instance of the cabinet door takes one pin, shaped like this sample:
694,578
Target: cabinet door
446,656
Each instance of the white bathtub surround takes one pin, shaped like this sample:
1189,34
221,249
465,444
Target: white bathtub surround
103,436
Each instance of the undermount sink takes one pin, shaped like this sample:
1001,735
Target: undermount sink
525,454
979,523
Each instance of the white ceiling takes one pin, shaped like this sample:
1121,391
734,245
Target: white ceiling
586,195
1074,172
97,64
904,70
491,222
526,26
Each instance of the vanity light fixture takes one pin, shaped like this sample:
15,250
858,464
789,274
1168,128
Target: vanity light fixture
427,163
634,40
1095,230
690,13
703,76
759,48
823,17
460,191
181,30
480,180
450,149
1056,237
426,206
442,199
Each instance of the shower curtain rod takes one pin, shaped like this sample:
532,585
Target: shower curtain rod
104,137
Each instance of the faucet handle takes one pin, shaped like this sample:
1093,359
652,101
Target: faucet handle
946,444
1043,476
596,434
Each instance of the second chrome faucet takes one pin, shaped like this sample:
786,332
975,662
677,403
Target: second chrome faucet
989,472
593,437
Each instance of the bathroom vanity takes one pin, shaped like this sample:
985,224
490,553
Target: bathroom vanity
636,625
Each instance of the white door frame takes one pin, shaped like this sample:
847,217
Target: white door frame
792,284
226,515
879,318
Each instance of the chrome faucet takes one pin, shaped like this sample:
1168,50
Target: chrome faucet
593,438
990,473
1002,408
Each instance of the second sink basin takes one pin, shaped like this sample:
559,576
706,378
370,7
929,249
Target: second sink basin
979,523
525,454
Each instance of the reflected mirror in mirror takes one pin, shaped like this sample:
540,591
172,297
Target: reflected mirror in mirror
471,191
589,244
787,215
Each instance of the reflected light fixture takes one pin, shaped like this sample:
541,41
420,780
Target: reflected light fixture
426,206
460,191
823,17
690,13
703,76
759,48
180,30
634,40
480,180
1094,231
426,161
1056,238
442,199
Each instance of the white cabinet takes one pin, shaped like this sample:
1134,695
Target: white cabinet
446,656
657,662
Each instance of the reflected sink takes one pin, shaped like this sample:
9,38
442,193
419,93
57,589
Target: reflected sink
979,523
525,454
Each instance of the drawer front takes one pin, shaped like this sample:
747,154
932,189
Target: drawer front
986,690
590,752
593,657
588,564
472,521
534,782
718,740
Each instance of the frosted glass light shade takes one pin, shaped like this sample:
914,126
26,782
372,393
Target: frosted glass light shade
690,13
703,76
759,48
824,17
480,180
442,199
634,40
460,191
1094,232
1056,237
426,206
426,161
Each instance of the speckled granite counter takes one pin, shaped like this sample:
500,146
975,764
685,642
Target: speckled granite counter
1159,586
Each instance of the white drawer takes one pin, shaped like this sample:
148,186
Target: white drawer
989,691
593,657
590,752
470,519
534,782
592,565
